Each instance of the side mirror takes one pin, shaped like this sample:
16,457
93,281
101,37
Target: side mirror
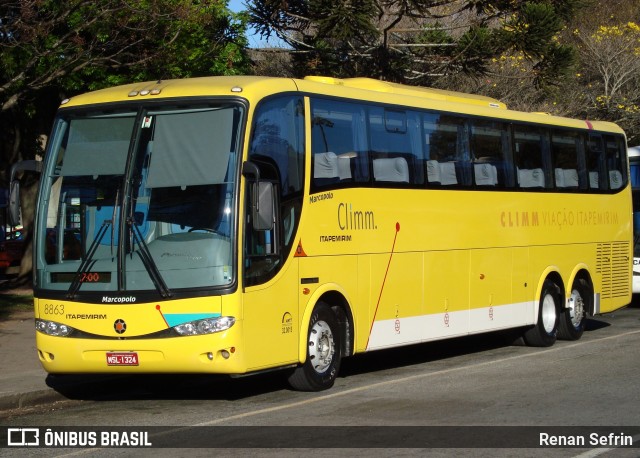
14,187
262,213
262,198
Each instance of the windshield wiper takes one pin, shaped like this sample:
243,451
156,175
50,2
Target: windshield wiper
147,260
88,261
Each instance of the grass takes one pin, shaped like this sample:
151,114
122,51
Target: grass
12,303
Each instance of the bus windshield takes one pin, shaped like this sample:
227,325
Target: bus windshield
140,200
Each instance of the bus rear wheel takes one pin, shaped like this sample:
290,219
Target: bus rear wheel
574,318
545,332
324,352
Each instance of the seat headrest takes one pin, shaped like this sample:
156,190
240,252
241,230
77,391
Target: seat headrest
325,165
391,169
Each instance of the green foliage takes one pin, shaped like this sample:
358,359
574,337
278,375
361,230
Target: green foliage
50,49
268,16
532,29
417,41
556,63
344,20
478,45
435,34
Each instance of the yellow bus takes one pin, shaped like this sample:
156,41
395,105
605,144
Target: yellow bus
235,225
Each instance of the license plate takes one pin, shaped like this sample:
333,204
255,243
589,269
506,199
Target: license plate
122,359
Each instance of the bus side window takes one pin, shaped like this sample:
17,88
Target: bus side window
445,149
394,161
489,154
338,144
595,162
615,159
528,158
564,151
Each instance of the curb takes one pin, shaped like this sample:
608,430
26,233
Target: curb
30,399
66,388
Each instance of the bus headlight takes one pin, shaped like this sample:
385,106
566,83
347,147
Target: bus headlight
51,328
206,326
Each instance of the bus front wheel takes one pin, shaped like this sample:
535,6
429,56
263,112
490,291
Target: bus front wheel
324,352
545,331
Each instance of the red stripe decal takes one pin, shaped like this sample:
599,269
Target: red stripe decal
383,282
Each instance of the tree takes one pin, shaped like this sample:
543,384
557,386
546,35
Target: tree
51,49
604,83
610,75
418,41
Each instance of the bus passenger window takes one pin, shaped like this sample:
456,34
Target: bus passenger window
388,131
595,162
489,145
614,150
527,151
338,143
396,147
564,153
445,149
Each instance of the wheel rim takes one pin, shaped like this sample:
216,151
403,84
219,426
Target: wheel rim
321,346
576,308
549,313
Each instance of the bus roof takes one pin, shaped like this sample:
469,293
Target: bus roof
365,89
414,91
188,87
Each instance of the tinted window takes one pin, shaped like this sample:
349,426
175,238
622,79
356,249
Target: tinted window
277,148
528,158
565,147
339,146
490,149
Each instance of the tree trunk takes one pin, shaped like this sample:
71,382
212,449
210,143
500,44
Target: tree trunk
28,205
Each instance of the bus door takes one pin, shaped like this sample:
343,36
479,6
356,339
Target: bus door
270,272
270,307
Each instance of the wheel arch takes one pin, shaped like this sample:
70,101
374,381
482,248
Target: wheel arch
336,298
550,273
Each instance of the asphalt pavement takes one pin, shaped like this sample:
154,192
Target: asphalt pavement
23,381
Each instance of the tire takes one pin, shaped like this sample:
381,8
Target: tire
324,352
574,317
545,332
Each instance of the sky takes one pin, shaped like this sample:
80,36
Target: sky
255,41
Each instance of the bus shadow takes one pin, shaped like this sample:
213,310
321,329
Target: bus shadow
216,387
422,353
165,387
105,388
440,350
635,301
594,324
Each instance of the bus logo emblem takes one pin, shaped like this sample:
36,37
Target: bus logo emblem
287,323
120,326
